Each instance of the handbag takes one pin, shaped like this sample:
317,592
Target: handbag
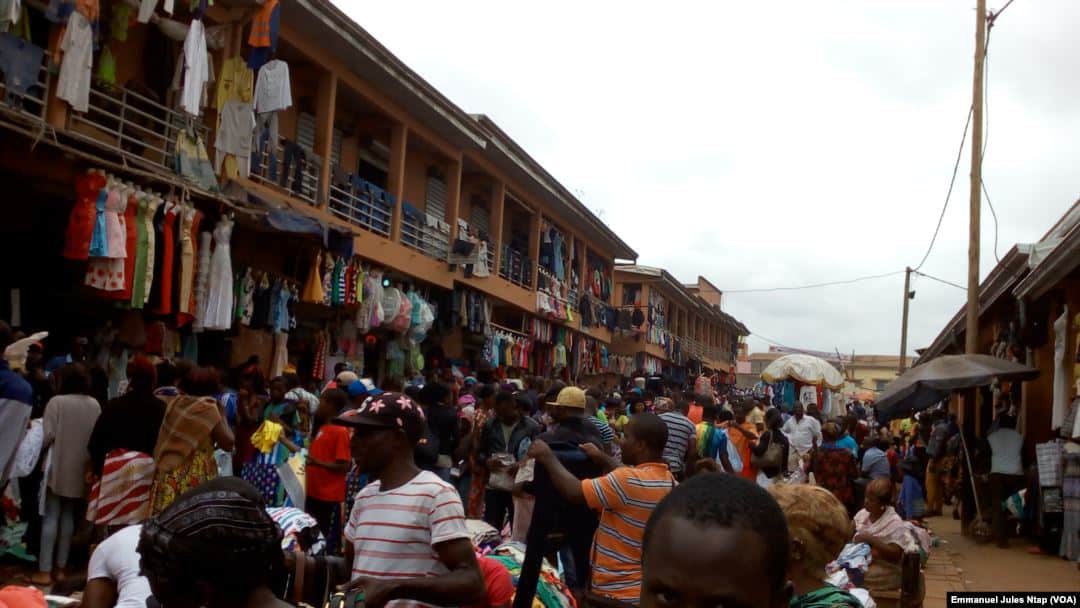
772,458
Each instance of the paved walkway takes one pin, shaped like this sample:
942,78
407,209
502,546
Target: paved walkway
959,563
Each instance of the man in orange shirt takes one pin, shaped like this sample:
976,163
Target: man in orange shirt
328,463
625,498
743,436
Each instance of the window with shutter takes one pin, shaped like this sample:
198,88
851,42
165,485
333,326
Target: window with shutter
305,136
480,219
435,197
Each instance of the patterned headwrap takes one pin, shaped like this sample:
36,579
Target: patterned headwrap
218,532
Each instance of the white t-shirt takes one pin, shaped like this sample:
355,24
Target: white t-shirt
394,533
272,89
802,434
1005,446
118,560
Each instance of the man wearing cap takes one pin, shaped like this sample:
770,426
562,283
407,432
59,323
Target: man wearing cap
342,380
406,538
552,512
359,390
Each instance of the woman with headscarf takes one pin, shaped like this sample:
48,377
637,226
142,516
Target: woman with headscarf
214,546
888,535
835,468
194,423
818,526
69,419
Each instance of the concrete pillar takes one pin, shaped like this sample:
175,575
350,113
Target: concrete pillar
534,245
395,181
498,207
325,108
453,197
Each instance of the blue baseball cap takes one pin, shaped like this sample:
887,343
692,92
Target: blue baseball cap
363,387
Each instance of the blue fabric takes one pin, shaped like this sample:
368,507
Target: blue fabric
556,255
875,464
20,61
911,503
264,145
13,386
280,308
716,441
59,10
848,442
99,244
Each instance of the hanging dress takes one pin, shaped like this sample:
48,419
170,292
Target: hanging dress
99,240
106,271
187,266
219,300
313,291
152,204
168,255
80,227
202,281
130,223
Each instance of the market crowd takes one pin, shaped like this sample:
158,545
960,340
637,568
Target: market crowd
205,487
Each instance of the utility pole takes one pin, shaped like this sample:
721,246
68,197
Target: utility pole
971,334
903,322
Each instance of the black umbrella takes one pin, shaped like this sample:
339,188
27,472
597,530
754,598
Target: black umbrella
924,385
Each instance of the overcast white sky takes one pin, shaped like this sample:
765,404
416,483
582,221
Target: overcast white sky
765,144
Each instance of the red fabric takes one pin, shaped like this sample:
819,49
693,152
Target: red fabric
80,228
497,581
164,306
330,445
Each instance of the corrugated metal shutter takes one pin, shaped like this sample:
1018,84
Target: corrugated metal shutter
480,219
435,197
305,136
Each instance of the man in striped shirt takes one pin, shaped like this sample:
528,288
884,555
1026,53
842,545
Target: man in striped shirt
681,449
406,535
625,498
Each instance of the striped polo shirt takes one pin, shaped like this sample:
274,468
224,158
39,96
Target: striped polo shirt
680,432
625,498
394,533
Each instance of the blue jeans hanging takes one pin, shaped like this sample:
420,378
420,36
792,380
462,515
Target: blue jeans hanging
293,154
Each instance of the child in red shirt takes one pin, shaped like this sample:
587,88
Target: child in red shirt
329,459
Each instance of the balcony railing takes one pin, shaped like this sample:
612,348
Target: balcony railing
135,125
491,257
516,267
32,104
428,236
362,204
271,164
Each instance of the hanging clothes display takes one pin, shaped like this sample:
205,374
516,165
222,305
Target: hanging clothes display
80,228
264,33
196,68
168,258
202,281
77,45
219,299
189,219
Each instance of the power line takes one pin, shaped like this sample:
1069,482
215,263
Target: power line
815,285
933,278
948,195
986,122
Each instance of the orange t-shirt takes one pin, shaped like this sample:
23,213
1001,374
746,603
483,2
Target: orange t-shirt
330,445
696,413
743,444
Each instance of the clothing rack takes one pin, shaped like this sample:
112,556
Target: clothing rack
508,330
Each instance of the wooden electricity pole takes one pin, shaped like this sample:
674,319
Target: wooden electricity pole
903,322
971,334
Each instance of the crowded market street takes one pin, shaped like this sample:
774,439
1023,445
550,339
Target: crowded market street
332,304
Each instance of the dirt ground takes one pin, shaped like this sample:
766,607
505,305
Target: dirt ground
962,564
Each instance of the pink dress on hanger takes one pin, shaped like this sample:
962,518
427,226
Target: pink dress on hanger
115,228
